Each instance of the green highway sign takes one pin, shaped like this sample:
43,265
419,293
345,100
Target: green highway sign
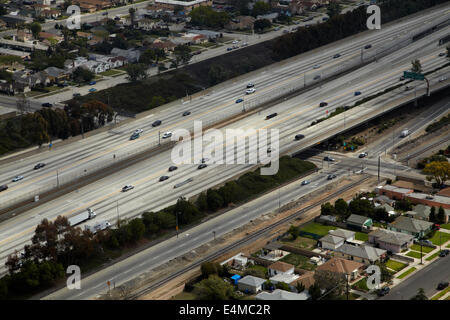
413,75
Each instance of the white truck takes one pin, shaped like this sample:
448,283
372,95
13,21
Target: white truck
100,226
79,218
404,133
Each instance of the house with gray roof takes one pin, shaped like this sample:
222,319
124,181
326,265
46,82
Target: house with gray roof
279,294
331,242
363,253
415,227
390,240
251,284
358,222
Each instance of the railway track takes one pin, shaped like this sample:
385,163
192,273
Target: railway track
243,241
431,146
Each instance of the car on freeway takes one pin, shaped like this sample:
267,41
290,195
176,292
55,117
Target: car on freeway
269,150
47,105
204,160
299,136
442,79
323,104
305,182
367,46
244,44
172,168
138,131
239,100
250,91
3,187
163,178
331,176
444,253
134,136
39,165
270,116
328,159
250,85
156,123
383,291
316,66
337,55
402,78
442,285
363,155
201,166
317,77
229,49
127,187
186,113
235,41
167,134
92,90
442,54
92,83
357,93
17,178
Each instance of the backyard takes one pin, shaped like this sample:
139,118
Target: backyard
317,228
299,261
300,242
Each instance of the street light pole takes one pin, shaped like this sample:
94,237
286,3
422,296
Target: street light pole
177,222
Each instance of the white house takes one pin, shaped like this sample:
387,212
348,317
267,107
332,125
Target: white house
280,268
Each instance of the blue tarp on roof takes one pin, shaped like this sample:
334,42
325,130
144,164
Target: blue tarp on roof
235,278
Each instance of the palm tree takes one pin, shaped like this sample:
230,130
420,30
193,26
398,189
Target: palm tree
420,295
416,66
132,11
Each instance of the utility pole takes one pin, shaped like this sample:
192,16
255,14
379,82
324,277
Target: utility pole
159,138
379,169
57,179
214,233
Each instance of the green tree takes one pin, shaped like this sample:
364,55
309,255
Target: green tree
137,229
136,72
283,286
261,24
333,9
420,295
440,171
209,268
432,217
214,199
314,291
202,202
294,232
260,8
416,66
182,53
441,215
327,209
300,287
341,207
157,101
35,28
216,74
213,288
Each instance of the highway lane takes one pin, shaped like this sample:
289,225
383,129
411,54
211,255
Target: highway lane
139,199
49,178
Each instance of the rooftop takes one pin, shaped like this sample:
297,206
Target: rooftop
410,224
363,251
281,266
339,265
252,281
392,237
279,294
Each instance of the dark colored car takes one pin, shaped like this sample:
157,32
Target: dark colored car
383,291
172,168
47,104
328,159
442,285
357,93
92,82
77,94
201,166
156,123
162,178
239,100
323,104
229,49
39,165
270,116
444,253
299,136
367,46
331,176
337,55
3,187
186,113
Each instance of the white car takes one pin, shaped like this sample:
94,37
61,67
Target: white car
138,131
127,187
18,178
316,66
235,41
250,91
442,79
167,135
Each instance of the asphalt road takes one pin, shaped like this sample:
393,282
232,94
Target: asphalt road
427,278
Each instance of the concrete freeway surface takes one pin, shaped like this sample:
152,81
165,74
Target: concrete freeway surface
72,161
104,195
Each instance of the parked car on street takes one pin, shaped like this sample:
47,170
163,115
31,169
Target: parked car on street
383,291
442,285
92,90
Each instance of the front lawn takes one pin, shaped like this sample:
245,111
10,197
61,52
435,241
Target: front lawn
425,249
444,238
111,73
395,265
414,254
317,228
434,255
446,226
404,274
361,285
361,236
